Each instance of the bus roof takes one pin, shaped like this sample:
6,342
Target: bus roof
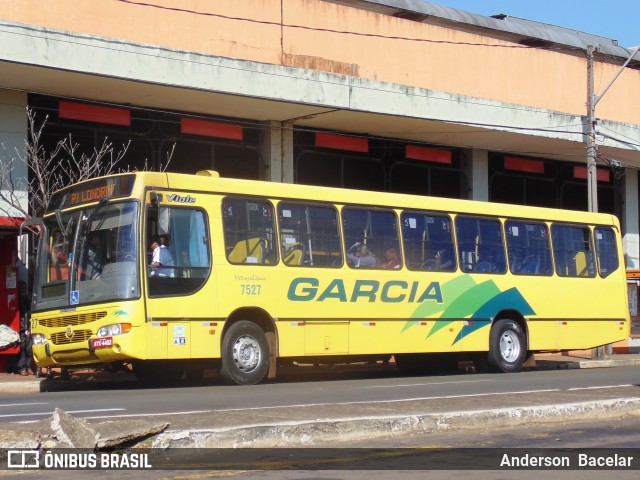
210,182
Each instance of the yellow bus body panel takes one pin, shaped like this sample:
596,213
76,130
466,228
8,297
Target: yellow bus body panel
345,311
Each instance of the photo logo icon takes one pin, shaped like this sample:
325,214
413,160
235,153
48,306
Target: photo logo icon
23,459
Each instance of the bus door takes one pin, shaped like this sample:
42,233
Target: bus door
179,299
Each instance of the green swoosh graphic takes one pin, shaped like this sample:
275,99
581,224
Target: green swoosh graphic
463,298
466,304
511,298
452,289
471,300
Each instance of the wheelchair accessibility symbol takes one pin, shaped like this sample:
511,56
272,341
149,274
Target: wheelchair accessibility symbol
75,297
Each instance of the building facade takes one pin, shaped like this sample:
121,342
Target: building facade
395,95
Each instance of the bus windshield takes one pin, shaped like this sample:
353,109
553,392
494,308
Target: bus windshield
88,256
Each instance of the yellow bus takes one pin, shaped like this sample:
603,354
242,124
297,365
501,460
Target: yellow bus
245,276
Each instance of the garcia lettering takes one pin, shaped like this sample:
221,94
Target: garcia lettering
308,289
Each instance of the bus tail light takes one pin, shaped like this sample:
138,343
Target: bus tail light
114,329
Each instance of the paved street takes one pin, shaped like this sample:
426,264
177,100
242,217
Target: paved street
379,408
337,406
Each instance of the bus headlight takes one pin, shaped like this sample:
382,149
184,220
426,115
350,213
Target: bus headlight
38,339
114,329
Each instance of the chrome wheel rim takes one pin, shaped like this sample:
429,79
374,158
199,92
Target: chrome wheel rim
509,346
246,353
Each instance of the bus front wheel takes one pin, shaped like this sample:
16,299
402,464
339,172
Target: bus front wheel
245,354
507,349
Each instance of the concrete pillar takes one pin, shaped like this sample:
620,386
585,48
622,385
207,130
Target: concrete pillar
477,172
277,151
13,134
631,228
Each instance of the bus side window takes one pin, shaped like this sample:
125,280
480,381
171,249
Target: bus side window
528,248
572,248
309,235
428,242
480,245
249,231
606,251
190,262
369,234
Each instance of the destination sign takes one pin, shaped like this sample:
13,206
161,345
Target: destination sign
92,191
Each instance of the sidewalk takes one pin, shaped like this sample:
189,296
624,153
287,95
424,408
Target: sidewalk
584,360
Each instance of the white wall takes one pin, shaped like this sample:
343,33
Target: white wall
13,133
630,219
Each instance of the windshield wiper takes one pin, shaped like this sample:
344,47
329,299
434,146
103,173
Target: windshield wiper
87,223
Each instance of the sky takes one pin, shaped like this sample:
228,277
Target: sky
617,19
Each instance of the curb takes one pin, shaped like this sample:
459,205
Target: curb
27,386
610,363
46,385
326,431
579,364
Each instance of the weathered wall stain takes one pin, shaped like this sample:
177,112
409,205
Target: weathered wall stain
321,64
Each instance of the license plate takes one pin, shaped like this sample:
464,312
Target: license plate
102,342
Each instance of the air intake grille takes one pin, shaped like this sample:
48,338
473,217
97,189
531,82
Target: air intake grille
72,320
77,336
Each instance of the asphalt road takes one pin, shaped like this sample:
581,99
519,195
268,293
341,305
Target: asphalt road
192,407
182,405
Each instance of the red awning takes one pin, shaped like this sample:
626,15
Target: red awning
11,222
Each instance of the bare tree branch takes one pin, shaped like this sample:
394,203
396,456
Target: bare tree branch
169,158
48,171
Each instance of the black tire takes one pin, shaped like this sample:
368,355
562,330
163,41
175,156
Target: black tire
507,347
158,373
245,354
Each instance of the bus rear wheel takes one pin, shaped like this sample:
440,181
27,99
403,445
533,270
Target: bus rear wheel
245,354
507,347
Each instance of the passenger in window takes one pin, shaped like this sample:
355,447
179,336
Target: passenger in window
516,256
360,256
486,260
443,260
161,257
59,265
391,259
92,261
